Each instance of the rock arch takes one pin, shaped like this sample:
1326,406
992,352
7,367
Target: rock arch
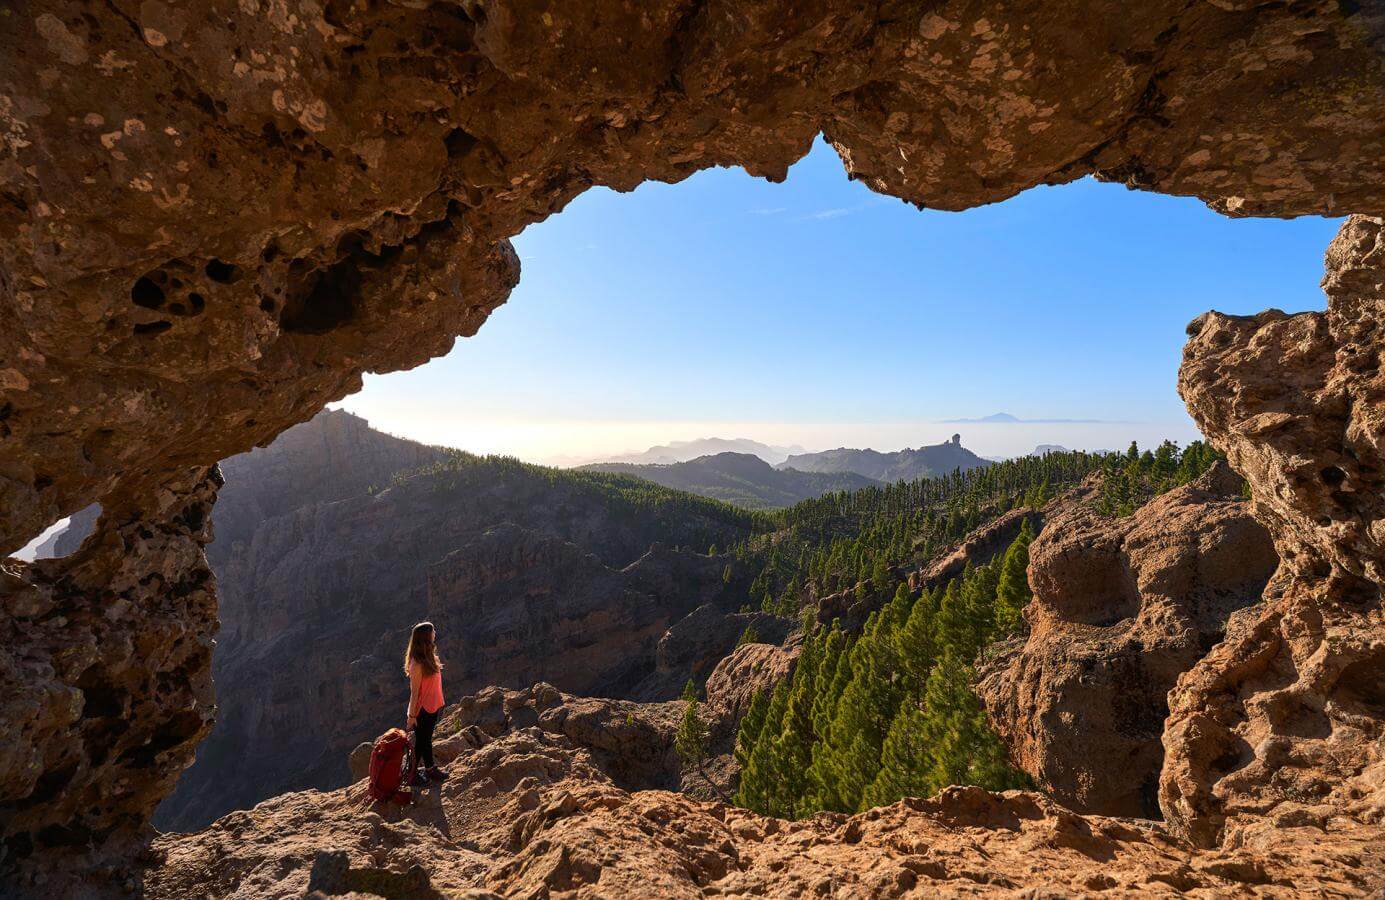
217,216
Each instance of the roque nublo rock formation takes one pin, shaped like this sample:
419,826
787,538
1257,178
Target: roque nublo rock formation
218,215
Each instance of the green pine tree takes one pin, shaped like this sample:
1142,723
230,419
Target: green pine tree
1012,591
792,751
916,642
905,761
690,741
833,673
962,746
751,724
757,777
849,759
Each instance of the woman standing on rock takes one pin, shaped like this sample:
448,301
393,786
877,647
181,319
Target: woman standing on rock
424,669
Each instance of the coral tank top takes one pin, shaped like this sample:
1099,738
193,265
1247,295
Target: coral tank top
430,692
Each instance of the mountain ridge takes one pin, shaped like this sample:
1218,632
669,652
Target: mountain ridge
900,465
742,479
686,451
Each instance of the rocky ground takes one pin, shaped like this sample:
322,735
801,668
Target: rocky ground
534,811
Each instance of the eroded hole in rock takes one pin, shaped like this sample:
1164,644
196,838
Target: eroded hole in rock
147,294
639,583
1361,686
502,558
100,698
459,143
221,272
152,328
62,537
328,302
66,836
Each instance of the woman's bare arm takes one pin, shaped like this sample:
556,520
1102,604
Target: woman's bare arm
415,687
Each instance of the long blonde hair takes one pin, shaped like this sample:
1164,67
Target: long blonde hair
423,649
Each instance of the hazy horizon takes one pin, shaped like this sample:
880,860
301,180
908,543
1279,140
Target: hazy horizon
529,440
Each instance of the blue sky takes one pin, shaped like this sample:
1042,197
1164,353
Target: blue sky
819,313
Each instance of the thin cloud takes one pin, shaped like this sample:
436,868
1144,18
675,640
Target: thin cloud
768,211
836,212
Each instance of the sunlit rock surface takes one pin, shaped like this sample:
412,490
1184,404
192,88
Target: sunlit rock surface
1282,723
532,813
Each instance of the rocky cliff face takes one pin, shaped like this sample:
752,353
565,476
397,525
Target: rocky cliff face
519,605
334,456
1122,607
217,217
746,670
1282,722
106,657
985,543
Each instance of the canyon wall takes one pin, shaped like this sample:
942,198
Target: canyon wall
217,216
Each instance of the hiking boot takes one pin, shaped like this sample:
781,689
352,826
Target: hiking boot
419,779
436,774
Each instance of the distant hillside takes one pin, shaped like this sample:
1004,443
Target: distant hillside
902,465
685,451
742,479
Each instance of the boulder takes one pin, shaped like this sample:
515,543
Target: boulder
1121,608
749,669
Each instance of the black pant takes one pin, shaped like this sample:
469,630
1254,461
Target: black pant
423,736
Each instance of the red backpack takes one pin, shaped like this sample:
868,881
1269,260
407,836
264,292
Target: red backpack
387,765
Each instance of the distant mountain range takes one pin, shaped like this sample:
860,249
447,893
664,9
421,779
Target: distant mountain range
901,465
743,479
684,451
